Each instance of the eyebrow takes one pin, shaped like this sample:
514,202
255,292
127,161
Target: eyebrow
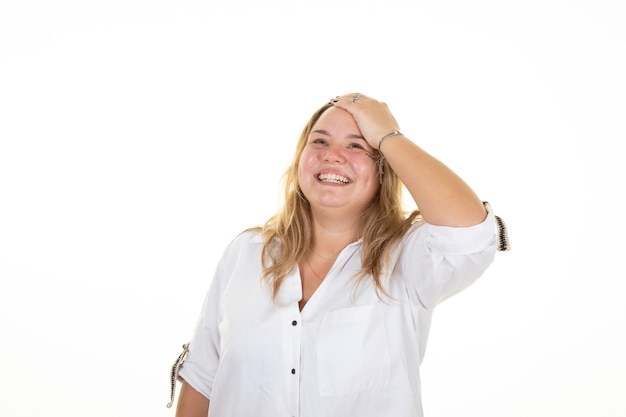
350,136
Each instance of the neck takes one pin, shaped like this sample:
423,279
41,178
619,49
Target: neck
331,236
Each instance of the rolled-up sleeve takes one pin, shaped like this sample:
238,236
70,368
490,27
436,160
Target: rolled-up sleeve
200,367
439,261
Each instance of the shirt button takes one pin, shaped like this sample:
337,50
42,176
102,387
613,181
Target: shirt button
294,323
293,371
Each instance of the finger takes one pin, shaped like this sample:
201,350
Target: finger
350,98
352,102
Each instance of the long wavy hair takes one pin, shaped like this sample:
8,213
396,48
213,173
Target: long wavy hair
384,222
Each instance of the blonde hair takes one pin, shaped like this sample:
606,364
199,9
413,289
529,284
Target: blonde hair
384,224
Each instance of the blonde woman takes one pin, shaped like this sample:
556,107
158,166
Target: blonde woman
326,309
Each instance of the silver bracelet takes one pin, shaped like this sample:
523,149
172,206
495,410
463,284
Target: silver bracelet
387,136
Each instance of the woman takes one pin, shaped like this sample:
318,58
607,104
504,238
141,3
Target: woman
325,311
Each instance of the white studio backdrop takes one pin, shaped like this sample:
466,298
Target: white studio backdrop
137,138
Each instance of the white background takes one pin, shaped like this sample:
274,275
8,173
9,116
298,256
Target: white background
138,137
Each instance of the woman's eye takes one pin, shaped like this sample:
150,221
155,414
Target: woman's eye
356,146
318,141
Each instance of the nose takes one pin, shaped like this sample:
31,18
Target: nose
334,154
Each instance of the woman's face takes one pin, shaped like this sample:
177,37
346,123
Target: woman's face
336,168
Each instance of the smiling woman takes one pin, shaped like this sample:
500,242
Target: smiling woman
326,309
336,169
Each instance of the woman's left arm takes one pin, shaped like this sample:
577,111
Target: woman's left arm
442,197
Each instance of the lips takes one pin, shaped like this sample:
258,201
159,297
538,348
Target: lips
333,178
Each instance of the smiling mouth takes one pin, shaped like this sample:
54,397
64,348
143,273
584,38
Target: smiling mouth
334,178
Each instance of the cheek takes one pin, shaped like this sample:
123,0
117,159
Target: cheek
304,166
306,162
369,172
368,169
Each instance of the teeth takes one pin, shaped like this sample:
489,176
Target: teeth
333,178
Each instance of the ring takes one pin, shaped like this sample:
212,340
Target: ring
355,97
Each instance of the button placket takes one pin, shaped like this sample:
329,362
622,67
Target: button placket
294,323
292,341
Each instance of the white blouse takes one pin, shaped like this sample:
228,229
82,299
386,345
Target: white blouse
348,352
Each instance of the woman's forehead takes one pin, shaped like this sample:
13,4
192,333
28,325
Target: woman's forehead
336,121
